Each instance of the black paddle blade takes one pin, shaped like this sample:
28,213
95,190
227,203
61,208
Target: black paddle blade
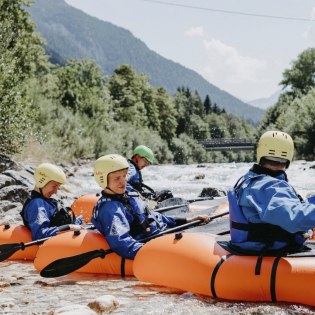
7,250
64,266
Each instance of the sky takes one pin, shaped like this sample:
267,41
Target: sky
241,46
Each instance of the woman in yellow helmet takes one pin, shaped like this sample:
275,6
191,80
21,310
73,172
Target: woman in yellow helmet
124,218
266,214
43,215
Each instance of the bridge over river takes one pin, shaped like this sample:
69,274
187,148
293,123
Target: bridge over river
224,144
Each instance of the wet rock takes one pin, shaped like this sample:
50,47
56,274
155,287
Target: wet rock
6,205
200,176
212,192
6,181
104,304
75,309
22,177
4,284
16,193
7,163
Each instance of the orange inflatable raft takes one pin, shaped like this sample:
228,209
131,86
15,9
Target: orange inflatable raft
198,263
17,234
85,203
70,244
84,206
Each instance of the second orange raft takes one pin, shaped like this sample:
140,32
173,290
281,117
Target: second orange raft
198,263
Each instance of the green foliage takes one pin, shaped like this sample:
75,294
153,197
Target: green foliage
75,111
21,58
294,112
187,151
72,34
300,78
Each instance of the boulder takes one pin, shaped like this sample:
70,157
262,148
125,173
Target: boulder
6,205
104,304
212,192
7,163
75,309
22,177
16,193
6,181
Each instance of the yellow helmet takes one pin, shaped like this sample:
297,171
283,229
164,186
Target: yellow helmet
46,172
276,145
108,164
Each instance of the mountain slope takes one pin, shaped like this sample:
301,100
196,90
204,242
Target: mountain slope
265,103
72,34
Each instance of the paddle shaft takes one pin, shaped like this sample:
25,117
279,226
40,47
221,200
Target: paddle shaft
164,209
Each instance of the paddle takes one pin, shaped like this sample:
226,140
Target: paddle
7,250
64,266
164,209
179,201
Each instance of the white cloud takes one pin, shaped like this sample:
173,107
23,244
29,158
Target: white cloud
196,31
227,68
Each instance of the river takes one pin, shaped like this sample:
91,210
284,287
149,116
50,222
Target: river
23,291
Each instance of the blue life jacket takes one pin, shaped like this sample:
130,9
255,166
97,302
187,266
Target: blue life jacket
242,231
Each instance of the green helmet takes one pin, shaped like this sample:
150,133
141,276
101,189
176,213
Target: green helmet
144,152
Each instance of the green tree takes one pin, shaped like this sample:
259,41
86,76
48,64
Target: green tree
21,58
301,76
129,91
166,114
82,87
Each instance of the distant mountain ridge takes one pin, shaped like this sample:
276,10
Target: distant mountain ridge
72,34
265,103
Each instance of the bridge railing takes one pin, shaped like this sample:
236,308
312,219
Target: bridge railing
220,144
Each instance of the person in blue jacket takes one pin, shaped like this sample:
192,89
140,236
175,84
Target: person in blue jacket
124,218
266,213
43,215
142,156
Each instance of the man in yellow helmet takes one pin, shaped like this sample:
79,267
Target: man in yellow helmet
43,215
124,218
266,214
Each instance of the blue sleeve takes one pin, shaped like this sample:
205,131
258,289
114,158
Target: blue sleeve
112,222
275,202
37,214
133,178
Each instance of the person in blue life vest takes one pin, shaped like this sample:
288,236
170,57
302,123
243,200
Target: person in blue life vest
142,156
123,217
43,215
266,213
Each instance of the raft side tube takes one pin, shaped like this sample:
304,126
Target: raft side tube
18,234
67,244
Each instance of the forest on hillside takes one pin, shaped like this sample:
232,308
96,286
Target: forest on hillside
74,111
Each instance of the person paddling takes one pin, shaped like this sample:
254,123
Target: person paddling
123,217
266,213
142,156
43,215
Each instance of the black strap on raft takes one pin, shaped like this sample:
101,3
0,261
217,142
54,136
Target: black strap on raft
215,272
258,265
273,279
122,267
